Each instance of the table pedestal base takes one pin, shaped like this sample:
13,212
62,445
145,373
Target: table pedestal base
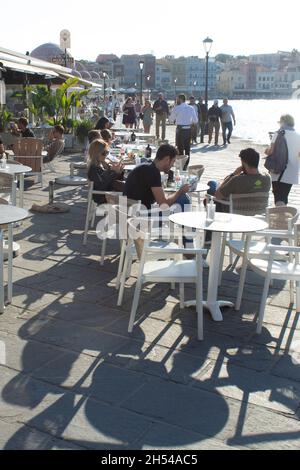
214,308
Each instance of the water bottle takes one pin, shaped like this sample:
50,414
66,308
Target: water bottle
211,209
148,151
133,137
137,160
177,180
3,162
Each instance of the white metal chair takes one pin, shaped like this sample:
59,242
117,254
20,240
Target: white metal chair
282,269
281,221
162,237
250,204
8,187
165,270
92,211
180,162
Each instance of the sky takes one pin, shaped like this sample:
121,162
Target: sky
161,27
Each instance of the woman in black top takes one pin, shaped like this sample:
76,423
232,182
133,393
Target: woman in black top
104,176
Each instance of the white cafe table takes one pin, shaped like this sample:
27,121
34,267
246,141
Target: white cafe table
223,223
17,170
8,216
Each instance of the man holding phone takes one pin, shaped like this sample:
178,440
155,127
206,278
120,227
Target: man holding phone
245,179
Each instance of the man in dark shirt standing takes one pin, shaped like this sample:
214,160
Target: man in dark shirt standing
144,182
214,121
161,110
202,116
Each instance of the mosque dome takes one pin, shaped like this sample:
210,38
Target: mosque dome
95,75
86,75
79,66
76,73
51,53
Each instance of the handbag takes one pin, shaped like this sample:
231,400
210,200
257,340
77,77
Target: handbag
141,115
277,162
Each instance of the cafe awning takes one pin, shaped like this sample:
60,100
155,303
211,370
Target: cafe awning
25,68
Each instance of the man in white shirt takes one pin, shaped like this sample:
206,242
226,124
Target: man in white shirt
184,116
195,127
227,116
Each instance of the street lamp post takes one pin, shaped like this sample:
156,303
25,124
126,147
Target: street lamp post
148,88
175,81
141,64
207,43
104,75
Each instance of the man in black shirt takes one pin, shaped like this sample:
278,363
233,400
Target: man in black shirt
24,129
161,110
144,182
214,121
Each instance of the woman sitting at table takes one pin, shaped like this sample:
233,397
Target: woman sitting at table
106,177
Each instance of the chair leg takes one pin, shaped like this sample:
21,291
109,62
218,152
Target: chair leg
291,292
199,308
241,283
10,264
121,264
135,302
87,222
263,305
181,295
297,296
222,259
103,251
123,280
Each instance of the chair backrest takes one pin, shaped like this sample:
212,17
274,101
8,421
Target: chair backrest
180,162
35,162
249,204
281,217
196,170
6,181
30,147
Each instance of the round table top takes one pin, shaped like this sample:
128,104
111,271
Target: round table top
231,223
15,169
138,134
79,165
71,180
10,214
200,188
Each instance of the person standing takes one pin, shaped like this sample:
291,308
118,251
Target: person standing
147,112
161,110
184,116
282,184
194,129
227,116
214,117
129,115
202,116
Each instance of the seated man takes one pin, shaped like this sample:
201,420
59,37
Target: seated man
57,145
245,179
22,130
144,182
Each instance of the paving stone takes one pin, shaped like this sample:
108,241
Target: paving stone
166,437
254,387
22,437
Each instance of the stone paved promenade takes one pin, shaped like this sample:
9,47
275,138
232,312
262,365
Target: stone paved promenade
74,378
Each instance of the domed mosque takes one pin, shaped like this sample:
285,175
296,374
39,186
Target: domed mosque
54,54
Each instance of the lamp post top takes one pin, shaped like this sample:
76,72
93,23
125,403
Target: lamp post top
207,43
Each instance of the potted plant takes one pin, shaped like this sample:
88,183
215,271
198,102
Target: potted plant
82,129
5,117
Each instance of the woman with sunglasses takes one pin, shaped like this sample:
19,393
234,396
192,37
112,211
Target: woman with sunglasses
105,176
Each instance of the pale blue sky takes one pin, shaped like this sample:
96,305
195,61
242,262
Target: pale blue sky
158,26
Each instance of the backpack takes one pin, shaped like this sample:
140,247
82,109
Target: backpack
278,160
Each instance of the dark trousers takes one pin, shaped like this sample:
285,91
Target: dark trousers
281,191
227,126
183,142
202,125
